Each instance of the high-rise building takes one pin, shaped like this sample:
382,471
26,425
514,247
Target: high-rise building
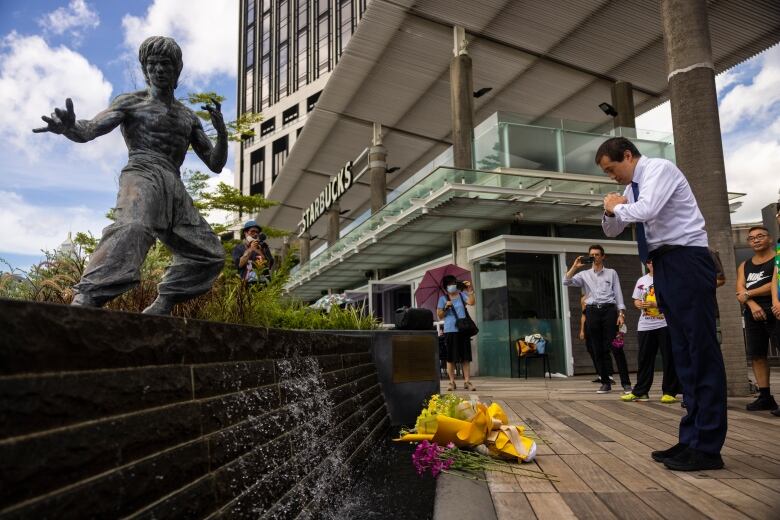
287,51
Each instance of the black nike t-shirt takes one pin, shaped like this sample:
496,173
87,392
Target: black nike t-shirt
757,276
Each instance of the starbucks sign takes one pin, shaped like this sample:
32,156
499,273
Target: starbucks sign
337,186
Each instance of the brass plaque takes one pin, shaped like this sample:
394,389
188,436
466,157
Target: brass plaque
414,358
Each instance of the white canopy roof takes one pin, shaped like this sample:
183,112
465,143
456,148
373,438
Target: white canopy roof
556,58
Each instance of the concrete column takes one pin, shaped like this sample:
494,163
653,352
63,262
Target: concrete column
305,245
623,101
377,169
334,223
462,103
699,152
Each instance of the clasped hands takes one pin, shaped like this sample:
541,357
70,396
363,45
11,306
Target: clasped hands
613,199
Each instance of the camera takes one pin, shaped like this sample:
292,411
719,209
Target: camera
261,237
587,260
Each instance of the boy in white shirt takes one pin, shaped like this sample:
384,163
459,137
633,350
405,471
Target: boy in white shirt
653,334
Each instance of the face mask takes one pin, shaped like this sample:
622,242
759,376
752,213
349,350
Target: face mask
451,288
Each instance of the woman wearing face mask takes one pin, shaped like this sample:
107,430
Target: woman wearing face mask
452,306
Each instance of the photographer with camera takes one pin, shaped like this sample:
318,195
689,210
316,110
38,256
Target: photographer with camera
604,313
450,308
252,257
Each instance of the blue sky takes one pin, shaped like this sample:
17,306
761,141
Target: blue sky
86,50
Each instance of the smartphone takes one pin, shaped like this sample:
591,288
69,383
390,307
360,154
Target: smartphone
587,260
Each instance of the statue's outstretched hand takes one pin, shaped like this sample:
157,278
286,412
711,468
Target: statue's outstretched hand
215,111
60,120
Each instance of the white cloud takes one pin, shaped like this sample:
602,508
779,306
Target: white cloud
35,78
756,102
74,19
753,169
205,30
27,229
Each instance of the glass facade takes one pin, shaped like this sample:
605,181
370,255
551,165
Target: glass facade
290,43
519,294
283,52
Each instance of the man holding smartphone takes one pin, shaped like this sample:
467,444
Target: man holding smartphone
604,313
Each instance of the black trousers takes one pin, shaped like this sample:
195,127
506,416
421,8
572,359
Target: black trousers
684,280
601,325
589,348
650,341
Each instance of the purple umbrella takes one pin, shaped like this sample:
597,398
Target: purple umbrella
429,290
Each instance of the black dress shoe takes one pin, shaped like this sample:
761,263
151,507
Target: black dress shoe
762,403
661,455
692,459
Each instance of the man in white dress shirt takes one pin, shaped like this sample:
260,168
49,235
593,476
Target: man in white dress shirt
670,231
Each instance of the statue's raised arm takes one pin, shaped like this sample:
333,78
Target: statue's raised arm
215,156
63,121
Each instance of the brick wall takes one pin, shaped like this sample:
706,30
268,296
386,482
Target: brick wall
107,415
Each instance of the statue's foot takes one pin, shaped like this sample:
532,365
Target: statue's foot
161,306
82,300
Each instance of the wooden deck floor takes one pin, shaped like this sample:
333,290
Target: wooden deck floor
599,449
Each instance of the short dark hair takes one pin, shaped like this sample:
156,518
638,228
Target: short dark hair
447,280
597,246
615,148
757,227
160,46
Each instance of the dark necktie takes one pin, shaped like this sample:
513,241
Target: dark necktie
641,239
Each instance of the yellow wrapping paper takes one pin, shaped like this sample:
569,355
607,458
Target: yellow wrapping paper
488,426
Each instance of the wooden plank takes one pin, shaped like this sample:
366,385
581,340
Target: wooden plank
755,490
771,483
672,482
762,463
731,496
587,506
628,506
499,481
532,484
549,506
575,439
592,474
568,480
510,506
669,506
738,466
574,423
553,442
629,477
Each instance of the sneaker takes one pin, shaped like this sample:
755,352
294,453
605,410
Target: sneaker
669,399
661,455
627,389
776,412
762,403
604,389
691,459
468,386
630,397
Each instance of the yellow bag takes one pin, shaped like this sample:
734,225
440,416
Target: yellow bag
525,348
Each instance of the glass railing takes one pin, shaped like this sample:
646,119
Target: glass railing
556,149
469,183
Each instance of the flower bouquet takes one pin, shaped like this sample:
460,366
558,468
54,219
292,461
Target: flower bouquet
471,424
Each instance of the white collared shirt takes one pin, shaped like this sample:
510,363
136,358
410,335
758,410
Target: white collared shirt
601,286
666,206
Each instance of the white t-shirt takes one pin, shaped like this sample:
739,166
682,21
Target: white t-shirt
652,318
